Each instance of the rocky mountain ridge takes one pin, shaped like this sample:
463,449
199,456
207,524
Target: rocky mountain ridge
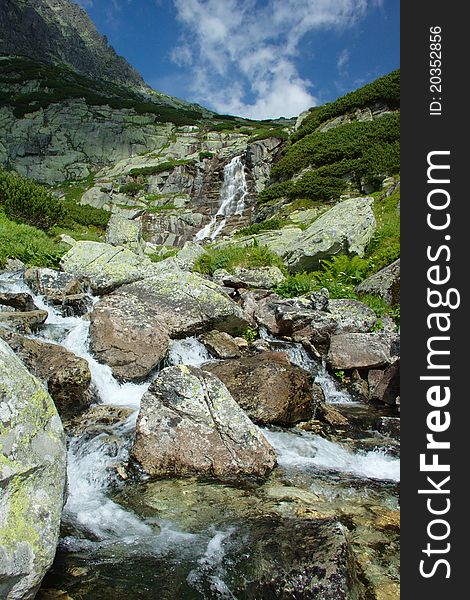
61,32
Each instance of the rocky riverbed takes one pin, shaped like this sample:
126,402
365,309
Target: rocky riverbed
201,465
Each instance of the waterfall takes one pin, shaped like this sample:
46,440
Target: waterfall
232,199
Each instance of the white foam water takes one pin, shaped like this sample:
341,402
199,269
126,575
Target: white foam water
232,199
308,451
188,351
210,567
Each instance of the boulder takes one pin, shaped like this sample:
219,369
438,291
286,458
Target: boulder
220,344
20,301
362,350
32,479
188,256
59,289
352,316
188,304
24,322
302,559
346,228
124,232
269,388
66,375
189,424
384,385
104,266
385,283
128,334
260,277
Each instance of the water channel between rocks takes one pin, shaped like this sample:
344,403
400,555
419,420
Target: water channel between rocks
125,537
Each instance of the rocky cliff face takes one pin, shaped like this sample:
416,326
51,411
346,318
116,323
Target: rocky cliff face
59,31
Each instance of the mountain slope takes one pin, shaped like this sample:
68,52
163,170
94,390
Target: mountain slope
60,32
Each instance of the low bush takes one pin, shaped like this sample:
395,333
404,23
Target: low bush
28,244
233,256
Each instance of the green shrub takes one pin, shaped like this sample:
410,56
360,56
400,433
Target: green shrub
28,202
131,188
205,154
233,256
385,89
156,169
269,225
28,244
85,215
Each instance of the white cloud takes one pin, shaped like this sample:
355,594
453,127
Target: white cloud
343,61
240,49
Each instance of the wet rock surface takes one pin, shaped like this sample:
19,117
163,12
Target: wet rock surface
269,388
189,424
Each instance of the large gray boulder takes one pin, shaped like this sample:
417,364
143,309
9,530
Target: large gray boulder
189,424
385,283
362,350
188,304
32,479
260,277
269,388
128,334
106,267
124,232
346,228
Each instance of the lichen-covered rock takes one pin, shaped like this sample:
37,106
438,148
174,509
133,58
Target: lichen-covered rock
362,350
106,267
351,316
188,304
32,479
344,229
189,255
189,424
128,334
385,283
260,277
66,375
124,232
269,388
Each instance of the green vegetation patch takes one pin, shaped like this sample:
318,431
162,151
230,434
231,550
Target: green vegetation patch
28,244
156,169
268,225
233,256
385,89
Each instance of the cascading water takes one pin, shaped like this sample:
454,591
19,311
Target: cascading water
232,199
115,538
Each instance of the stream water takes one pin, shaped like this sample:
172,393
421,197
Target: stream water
232,199
187,539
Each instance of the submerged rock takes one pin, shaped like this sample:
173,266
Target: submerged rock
189,424
302,559
269,388
32,479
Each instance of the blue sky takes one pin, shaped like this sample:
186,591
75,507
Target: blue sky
254,58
